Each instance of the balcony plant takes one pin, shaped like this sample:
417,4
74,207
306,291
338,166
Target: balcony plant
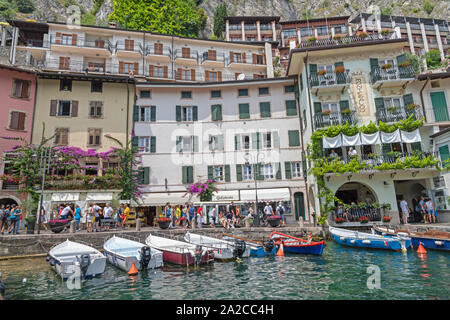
337,37
163,223
386,66
340,69
326,112
312,39
362,34
392,109
204,190
387,219
411,106
346,111
406,63
339,220
321,72
364,219
385,32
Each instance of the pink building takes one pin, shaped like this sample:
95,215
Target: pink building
17,93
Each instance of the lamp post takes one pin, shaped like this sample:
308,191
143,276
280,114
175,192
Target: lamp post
247,156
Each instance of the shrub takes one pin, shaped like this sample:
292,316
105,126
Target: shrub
428,6
25,6
433,58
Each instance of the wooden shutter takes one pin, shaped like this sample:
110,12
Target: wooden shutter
254,58
153,113
278,169
99,43
150,70
231,56
291,107
210,172
227,173
239,172
179,74
129,44
212,55
258,174
24,92
193,74
21,121
152,144
146,172
313,68
178,144
178,113
219,76
120,67
64,136
195,143
135,113
317,107
243,58
256,141
195,113
74,39
64,63
14,120
190,174
379,104
74,109
165,72
136,68
186,52
294,138
206,75
53,107
287,170
184,174
158,48
58,38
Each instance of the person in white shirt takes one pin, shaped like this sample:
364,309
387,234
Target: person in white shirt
430,211
281,211
107,211
97,210
268,210
352,152
405,210
212,217
65,212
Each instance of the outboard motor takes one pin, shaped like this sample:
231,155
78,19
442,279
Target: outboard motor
146,255
198,254
268,245
85,262
239,248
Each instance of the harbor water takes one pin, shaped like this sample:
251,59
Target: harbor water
341,273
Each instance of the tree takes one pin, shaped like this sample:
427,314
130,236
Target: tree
433,58
178,17
428,6
219,20
25,6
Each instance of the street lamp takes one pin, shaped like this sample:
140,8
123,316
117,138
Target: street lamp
247,157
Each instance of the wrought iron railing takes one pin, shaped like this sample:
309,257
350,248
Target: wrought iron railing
346,40
322,120
192,54
396,114
354,214
330,79
393,73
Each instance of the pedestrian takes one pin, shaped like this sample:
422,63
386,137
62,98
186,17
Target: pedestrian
166,208
169,213
89,218
405,210
3,217
64,213
268,210
222,219
119,216
15,219
77,216
178,215
107,216
184,214
96,209
199,217
430,210
126,214
191,215
281,210
249,216
230,220
6,212
422,209
212,217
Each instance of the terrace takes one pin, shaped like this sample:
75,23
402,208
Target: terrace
337,41
326,119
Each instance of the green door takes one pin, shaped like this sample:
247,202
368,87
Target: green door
439,106
299,204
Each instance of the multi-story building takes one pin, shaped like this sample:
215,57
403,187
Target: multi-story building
143,55
422,34
366,82
18,90
253,28
243,134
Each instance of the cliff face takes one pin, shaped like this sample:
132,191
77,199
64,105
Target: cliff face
47,10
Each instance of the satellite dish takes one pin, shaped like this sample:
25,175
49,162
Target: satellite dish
241,76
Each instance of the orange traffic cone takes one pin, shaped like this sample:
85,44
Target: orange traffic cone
280,252
421,249
133,270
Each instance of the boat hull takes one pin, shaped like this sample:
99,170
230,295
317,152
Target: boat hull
186,259
370,243
427,243
316,248
260,252
125,262
67,269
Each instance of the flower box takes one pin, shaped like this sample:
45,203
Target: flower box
339,220
321,72
337,37
405,64
386,66
346,111
163,222
387,219
362,34
411,106
274,221
392,109
364,219
312,39
339,69
326,112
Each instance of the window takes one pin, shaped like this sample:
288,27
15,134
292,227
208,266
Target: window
96,86
91,168
247,172
145,94
340,29
246,142
306,32
95,109
94,137
186,94
269,171
144,144
265,109
99,43
128,67
259,59
244,111
242,92
66,39
236,57
188,174
186,53
216,94
216,112
291,107
212,76
17,120
64,108
95,66
333,107
21,88
322,30
263,91
186,74
267,140
288,33
65,85
61,136
129,44
296,169
216,143
392,103
187,144
294,138
147,113
186,114
158,48
289,89
158,72
219,173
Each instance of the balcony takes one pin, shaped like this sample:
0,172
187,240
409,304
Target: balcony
211,60
322,120
343,40
83,182
396,114
128,50
355,212
391,77
237,62
330,81
186,57
99,48
161,54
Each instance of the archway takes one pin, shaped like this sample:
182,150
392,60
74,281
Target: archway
356,192
359,200
9,201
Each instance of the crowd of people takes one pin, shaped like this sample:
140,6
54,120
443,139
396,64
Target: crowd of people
423,208
10,218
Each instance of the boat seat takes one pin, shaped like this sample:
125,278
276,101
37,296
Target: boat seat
403,231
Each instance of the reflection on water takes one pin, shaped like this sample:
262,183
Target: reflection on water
341,273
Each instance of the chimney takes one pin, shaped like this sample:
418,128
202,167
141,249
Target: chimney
112,24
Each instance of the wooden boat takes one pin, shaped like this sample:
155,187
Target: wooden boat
58,225
257,249
430,239
72,258
371,241
123,252
181,253
293,244
223,249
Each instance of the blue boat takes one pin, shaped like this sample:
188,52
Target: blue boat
257,249
370,241
431,239
296,245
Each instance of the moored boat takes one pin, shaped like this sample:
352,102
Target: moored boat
257,249
370,241
430,239
223,249
123,252
293,244
181,253
72,258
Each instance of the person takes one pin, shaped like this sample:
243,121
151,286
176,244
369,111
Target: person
199,217
184,213
352,152
238,216
2,217
89,218
430,210
77,216
169,214
107,215
15,219
268,210
333,154
5,218
178,215
422,209
119,216
65,212
125,215
166,208
191,215
405,210
96,209
281,210
212,217
222,219
249,216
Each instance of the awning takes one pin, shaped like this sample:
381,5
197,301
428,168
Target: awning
160,199
101,196
279,194
65,196
226,195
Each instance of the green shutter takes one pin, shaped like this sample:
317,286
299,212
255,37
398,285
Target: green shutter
216,112
190,174
152,144
244,111
338,64
294,138
256,140
275,139
445,154
195,113
291,107
439,104
373,63
135,141
220,143
408,99
136,113
178,112
237,142
317,107
313,68
265,109
287,169
140,176
153,114
278,168
379,104
258,174
416,146
227,173
146,173
210,172
313,75
344,105
178,144
184,175
195,140
239,172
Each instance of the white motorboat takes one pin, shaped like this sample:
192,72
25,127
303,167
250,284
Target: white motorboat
123,252
72,258
223,249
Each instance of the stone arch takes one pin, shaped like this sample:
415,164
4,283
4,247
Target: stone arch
10,199
356,191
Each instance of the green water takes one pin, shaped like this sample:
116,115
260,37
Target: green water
341,273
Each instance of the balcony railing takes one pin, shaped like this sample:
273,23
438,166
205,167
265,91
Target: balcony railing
346,40
219,57
84,43
322,120
192,54
330,79
354,213
164,51
394,73
137,47
37,43
248,60
396,114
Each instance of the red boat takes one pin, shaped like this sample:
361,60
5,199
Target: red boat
181,253
297,245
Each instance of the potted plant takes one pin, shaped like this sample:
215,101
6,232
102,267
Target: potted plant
406,63
274,221
339,220
346,111
364,219
31,221
362,34
386,66
387,219
392,109
322,72
340,69
163,223
385,32
312,39
326,112
337,37
411,106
